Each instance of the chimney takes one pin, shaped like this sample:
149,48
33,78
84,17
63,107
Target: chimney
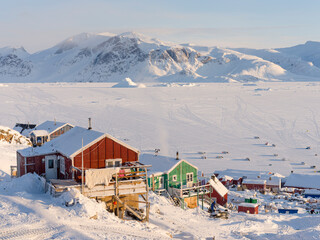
55,121
89,127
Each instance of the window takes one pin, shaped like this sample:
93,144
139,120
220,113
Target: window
50,163
174,178
189,177
110,163
39,139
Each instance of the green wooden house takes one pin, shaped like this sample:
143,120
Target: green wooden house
178,177
181,173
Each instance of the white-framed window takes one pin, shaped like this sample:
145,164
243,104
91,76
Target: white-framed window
113,163
189,177
174,178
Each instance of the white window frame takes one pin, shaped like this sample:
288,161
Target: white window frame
189,177
113,161
174,178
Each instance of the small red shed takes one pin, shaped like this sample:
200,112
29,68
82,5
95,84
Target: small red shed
61,158
218,191
248,208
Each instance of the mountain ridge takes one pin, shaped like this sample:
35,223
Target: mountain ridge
107,57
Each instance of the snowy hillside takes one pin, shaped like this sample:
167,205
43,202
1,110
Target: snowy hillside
310,52
107,57
288,60
189,118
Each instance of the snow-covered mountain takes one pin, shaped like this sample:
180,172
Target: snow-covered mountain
107,57
310,52
14,63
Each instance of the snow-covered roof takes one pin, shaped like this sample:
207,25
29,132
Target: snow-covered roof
50,126
274,182
312,191
218,186
303,181
40,132
253,181
161,164
70,143
250,205
225,178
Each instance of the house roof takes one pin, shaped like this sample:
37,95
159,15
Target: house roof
248,205
40,132
312,192
303,181
70,143
254,181
161,164
225,178
218,186
274,181
50,126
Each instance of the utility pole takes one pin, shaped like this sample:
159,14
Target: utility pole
82,173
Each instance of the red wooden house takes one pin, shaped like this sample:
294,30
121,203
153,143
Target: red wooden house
254,184
47,131
61,158
218,191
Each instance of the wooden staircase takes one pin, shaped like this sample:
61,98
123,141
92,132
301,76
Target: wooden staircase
125,207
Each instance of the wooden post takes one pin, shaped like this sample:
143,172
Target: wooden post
198,197
202,200
147,198
117,194
113,204
123,209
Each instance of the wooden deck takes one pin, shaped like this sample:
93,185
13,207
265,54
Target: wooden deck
125,187
118,191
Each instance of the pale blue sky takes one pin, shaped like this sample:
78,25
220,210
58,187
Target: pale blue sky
40,24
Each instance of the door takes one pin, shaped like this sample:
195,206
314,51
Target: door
51,167
161,181
189,179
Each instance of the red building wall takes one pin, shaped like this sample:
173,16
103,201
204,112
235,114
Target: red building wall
252,210
254,186
36,165
106,148
20,164
220,200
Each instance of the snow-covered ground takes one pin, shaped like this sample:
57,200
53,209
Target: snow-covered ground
189,118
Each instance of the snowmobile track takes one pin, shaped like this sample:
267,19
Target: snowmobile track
124,231
39,233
